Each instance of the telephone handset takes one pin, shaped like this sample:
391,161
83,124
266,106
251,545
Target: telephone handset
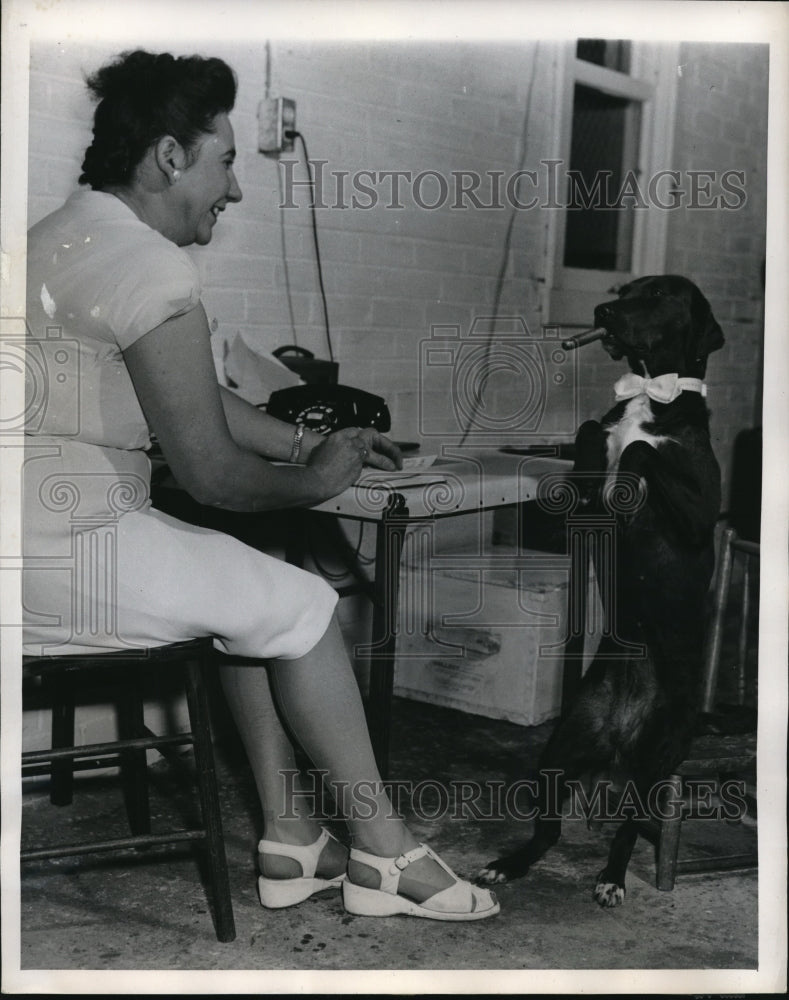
326,408
306,365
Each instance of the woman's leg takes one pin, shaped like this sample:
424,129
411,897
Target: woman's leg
320,703
288,817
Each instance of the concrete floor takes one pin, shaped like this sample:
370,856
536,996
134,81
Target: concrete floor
151,912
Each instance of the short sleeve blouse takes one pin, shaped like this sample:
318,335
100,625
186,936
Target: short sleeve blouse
99,279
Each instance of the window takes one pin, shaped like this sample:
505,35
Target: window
603,153
615,111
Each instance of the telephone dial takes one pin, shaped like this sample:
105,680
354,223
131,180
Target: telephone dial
326,408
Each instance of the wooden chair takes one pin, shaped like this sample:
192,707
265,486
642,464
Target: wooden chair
715,754
122,670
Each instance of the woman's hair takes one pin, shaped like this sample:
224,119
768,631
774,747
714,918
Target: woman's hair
142,97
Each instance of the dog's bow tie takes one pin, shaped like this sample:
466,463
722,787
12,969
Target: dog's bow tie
663,389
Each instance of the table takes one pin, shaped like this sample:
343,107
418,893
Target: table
460,482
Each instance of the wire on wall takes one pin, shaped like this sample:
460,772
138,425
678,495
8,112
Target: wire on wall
507,243
286,268
300,137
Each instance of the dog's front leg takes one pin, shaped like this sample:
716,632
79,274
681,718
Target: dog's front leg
590,448
589,468
675,488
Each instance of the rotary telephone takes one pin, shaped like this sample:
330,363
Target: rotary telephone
326,408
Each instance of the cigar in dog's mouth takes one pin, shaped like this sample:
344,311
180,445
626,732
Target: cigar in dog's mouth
586,337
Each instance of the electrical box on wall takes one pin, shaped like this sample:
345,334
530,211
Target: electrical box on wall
276,124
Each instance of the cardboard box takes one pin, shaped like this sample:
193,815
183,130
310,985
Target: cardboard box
489,639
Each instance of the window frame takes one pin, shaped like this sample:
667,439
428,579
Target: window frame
572,293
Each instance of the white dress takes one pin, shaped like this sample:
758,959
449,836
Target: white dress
102,568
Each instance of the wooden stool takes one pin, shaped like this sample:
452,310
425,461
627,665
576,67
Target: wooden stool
129,752
714,756
731,547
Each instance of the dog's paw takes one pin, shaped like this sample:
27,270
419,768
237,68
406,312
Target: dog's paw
502,870
609,894
490,875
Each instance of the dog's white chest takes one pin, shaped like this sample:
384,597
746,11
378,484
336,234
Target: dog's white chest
629,428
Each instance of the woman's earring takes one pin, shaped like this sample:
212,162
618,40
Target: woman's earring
176,175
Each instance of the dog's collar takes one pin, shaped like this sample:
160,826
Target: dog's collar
663,389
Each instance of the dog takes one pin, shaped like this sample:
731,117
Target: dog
634,712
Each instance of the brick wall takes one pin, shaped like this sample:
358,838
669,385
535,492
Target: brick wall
722,123
390,273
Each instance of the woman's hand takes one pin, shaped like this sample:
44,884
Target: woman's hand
338,460
381,452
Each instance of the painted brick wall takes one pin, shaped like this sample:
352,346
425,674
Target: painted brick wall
722,124
390,273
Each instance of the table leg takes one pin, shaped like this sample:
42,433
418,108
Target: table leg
576,619
388,548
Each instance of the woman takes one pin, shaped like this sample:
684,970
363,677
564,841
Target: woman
114,307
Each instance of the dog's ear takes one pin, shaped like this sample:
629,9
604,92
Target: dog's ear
709,336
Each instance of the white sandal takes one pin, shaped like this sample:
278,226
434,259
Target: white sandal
461,901
276,893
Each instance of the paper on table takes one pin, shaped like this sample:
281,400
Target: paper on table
255,375
413,473
418,461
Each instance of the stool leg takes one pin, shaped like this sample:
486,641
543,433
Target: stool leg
61,789
668,842
134,763
715,641
742,645
209,800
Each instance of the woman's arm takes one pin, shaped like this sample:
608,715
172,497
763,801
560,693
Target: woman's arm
265,435
254,429
173,372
